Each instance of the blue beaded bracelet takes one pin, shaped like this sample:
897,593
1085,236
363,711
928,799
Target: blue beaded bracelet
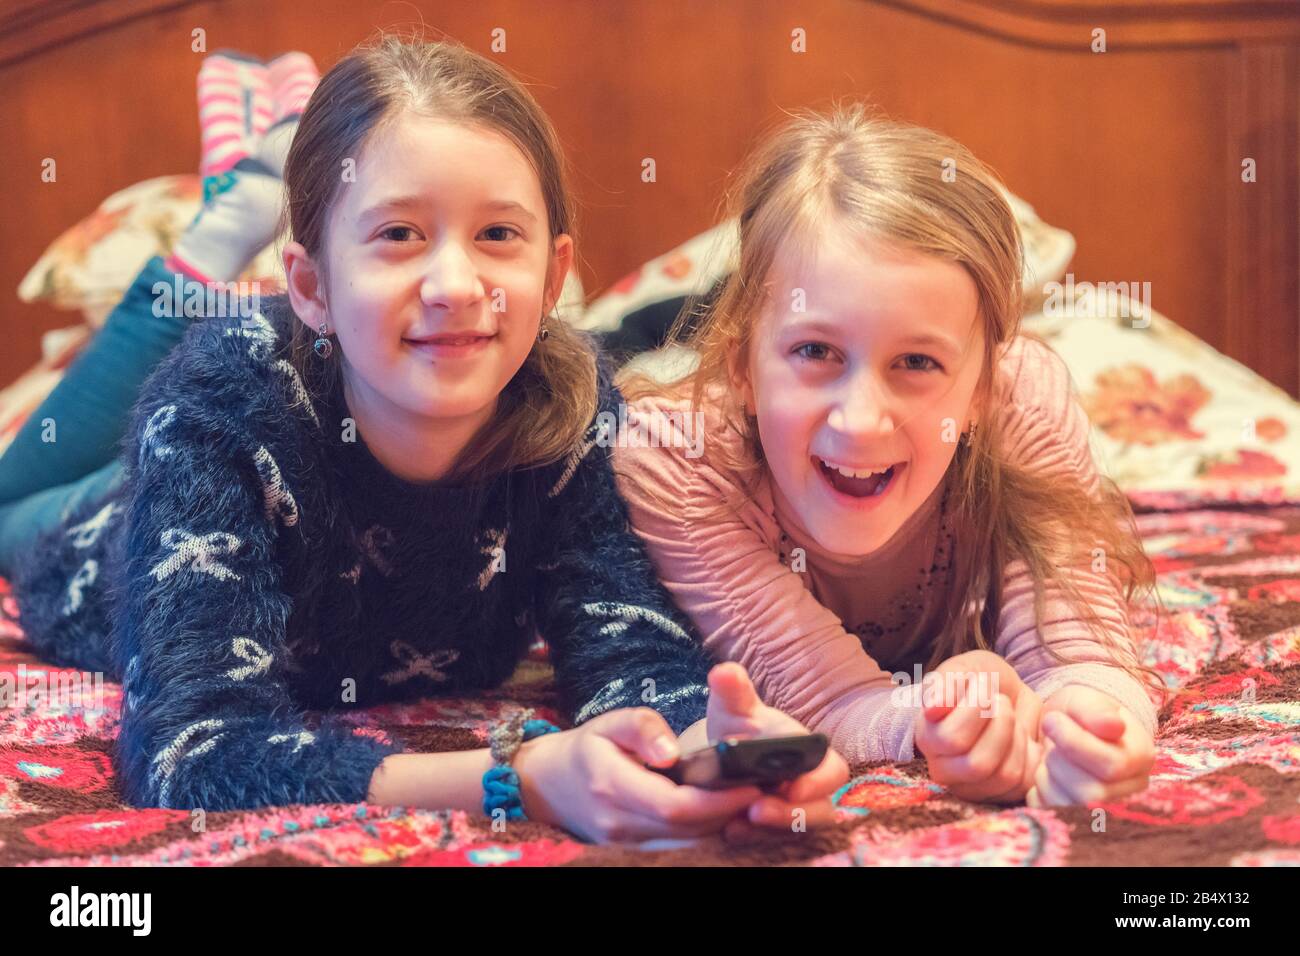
501,783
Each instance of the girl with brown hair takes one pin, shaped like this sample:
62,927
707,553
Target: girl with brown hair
381,486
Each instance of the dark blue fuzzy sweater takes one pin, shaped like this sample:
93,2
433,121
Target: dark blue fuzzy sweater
255,564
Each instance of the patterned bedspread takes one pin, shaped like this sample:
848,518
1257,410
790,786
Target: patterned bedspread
1224,790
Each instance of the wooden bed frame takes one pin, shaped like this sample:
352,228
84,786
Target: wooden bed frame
1138,150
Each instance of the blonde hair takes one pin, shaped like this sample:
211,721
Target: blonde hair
551,400
884,179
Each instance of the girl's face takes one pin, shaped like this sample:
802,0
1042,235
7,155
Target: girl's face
866,357
441,266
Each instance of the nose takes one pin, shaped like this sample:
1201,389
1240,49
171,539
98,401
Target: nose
863,408
450,279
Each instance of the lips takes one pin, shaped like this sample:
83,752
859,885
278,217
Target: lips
858,483
468,338
450,345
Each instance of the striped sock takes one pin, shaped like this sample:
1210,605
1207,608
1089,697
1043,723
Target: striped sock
293,77
235,108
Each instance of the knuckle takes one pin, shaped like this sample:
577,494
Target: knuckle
1007,776
675,813
945,734
1012,769
923,738
591,749
619,833
600,787
965,792
1147,755
976,660
647,719
605,825
841,772
1113,768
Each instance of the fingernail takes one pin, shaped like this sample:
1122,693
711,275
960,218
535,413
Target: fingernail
664,748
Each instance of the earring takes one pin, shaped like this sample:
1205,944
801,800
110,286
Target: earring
970,435
543,333
323,346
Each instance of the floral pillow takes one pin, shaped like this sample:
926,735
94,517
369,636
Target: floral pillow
89,267
1176,423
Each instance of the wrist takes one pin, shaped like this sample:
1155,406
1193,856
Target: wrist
528,763
502,789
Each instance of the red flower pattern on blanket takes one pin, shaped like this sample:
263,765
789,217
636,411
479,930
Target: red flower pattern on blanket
1228,758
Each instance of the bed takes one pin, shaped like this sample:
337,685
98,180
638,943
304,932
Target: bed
1193,413
1220,517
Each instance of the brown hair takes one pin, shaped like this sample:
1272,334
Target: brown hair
551,400
884,179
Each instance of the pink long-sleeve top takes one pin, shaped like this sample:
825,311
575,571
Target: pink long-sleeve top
821,643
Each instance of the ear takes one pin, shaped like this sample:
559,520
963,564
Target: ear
984,400
741,384
976,410
558,269
305,286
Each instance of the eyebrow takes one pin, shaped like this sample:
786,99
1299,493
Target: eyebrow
509,205
938,340
934,339
401,203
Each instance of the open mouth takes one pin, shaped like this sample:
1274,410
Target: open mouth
865,483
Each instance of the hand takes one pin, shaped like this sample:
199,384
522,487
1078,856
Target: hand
735,710
593,781
978,728
1095,750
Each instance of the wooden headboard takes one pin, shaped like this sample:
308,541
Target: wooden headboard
1137,150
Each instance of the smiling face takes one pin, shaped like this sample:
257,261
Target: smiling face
872,368
440,266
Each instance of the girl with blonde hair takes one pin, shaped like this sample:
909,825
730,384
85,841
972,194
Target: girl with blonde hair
894,477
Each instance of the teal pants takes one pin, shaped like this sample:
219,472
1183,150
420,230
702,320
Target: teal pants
42,481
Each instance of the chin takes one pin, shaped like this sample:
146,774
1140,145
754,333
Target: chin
418,398
448,408
841,539
840,530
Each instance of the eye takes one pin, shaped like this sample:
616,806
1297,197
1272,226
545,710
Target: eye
387,233
813,351
500,229
912,367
